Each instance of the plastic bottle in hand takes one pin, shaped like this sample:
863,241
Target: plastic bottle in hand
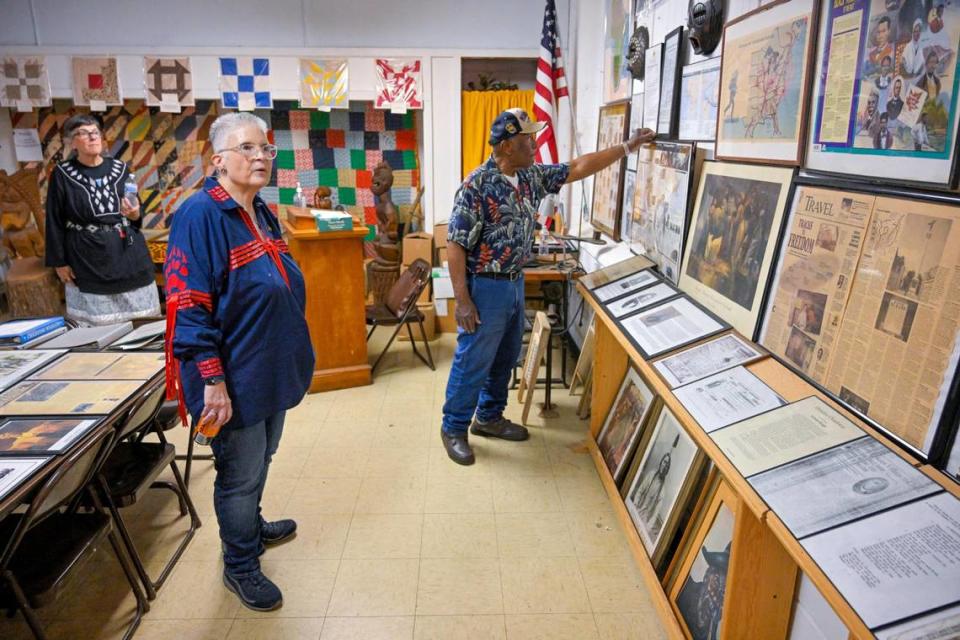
130,192
206,430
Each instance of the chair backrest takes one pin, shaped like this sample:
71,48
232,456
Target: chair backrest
403,295
143,411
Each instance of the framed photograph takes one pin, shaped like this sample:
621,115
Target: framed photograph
705,359
617,80
615,271
670,84
885,100
642,299
662,485
17,365
733,234
608,182
764,83
660,204
671,325
856,269
625,285
16,471
103,366
621,430
39,397
699,97
698,595
651,86
41,435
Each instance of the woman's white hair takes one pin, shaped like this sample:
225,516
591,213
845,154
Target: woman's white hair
226,124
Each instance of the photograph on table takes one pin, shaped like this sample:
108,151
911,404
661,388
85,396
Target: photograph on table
885,100
727,397
16,471
662,484
625,422
732,237
705,359
651,86
670,83
671,325
623,286
618,26
896,564
36,397
17,365
615,271
835,486
103,366
641,300
697,596
699,98
764,83
658,211
608,182
41,435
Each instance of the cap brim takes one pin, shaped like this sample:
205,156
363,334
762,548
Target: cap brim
534,127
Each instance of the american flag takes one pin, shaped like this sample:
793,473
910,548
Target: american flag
551,85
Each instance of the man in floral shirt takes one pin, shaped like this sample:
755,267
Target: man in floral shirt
489,237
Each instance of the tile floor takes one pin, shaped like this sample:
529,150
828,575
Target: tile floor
395,541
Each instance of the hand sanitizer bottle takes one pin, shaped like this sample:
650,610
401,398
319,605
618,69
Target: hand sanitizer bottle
299,200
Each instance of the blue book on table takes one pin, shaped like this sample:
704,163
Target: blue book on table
21,331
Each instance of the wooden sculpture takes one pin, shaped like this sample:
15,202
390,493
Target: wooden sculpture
385,268
32,288
321,198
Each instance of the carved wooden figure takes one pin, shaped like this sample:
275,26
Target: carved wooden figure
385,269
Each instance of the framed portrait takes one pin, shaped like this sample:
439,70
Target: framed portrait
764,83
625,422
608,182
699,97
670,325
662,484
660,204
698,594
617,80
652,64
625,285
670,83
733,235
42,435
885,100
14,471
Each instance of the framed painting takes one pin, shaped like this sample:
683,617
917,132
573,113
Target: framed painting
608,183
42,435
621,430
764,83
617,80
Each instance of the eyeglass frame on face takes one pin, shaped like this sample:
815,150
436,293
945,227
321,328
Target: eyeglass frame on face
89,134
267,151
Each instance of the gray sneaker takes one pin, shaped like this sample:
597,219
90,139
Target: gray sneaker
255,590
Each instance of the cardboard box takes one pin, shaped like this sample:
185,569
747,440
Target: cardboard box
440,235
417,245
429,324
446,309
332,220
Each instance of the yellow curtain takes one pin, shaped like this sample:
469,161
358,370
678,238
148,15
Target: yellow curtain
480,108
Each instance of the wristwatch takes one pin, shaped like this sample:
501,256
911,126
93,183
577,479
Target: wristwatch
213,380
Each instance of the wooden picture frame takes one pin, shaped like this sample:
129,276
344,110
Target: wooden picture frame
539,343
628,415
670,84
612,130
772,47
584,368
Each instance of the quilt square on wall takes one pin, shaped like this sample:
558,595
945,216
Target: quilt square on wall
96,79
398,84
245,83
324,83
24,83
168,81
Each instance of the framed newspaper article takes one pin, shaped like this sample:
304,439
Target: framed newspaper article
764,83
861,304
608,183
885,96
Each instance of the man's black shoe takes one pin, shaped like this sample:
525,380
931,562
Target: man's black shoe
277,532
458,448
502,428
255,591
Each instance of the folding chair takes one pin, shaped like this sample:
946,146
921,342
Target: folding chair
400,310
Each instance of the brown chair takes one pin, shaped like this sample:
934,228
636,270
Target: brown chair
400,310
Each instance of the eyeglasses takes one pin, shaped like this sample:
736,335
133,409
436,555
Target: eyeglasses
91,134
249,150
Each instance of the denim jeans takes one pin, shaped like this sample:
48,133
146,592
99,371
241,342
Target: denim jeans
242,457
485,358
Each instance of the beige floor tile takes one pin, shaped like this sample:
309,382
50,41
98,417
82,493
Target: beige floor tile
520,458
597,534
306,587
629,626
614,586
543,585
557,626
276,495
395,628
462,535
384,536
274,628
582,493
386,462
441,466
324,495
375,588
571,459
319,537
336,462
195,590
288,462
459,586
533,535
525,494
392,495
183,629
459,495
404,431
460,628
336,432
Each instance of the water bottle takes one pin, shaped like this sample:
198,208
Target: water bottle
206,430
543,249
299,200
130,192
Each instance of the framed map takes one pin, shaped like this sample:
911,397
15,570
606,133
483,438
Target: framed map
608,183
764,90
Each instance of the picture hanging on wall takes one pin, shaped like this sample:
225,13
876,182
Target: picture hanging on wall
885,101
764,83
96,83
398,84
651,87
24,83
734,230
324,83
245,83
617,80
168,83
699,97
670,84
608,183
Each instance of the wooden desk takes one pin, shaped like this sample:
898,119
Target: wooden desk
332,265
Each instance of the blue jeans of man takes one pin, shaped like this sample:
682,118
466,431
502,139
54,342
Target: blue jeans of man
485,359
242,457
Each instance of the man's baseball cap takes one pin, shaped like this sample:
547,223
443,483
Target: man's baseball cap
510,123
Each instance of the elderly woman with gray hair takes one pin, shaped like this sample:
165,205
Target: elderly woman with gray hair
238,349
93,233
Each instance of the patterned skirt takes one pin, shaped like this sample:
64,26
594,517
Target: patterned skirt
95,309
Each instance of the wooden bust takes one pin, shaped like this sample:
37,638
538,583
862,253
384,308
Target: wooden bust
321,198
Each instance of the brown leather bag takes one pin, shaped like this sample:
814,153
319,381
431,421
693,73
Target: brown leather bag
407,289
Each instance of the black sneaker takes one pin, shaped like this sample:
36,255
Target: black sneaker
255,591
277,532
501,428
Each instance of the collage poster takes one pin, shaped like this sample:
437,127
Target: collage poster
888,82
608,182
